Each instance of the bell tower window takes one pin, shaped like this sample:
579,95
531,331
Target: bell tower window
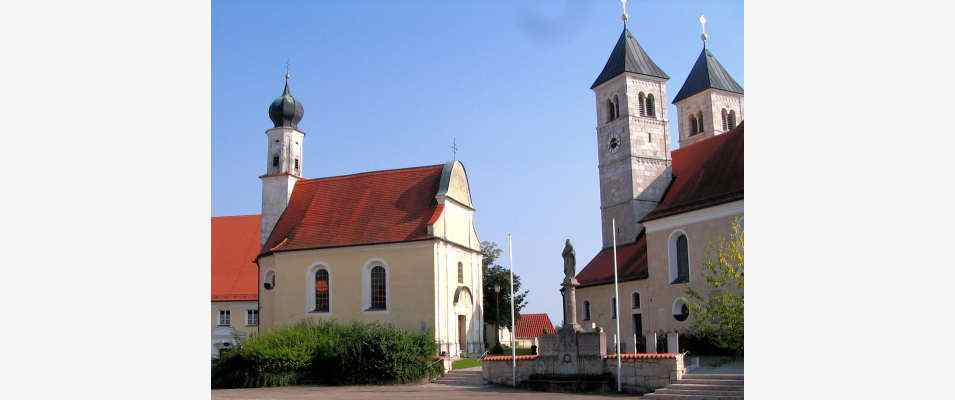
642,103
651,108
275,161
296,165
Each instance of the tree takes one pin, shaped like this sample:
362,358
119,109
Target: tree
491,253
496,274
718,314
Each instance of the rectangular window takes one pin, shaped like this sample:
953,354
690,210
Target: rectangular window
296,165
613,308
225,319
275,161
252,317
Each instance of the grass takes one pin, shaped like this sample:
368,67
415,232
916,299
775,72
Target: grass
466,363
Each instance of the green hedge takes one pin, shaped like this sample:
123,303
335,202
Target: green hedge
328,353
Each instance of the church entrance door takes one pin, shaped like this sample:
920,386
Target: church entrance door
462,333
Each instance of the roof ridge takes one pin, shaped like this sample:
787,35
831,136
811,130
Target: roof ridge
357,174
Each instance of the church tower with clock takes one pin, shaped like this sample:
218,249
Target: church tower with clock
632,138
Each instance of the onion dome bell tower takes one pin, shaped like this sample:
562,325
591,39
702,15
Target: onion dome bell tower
284,157
285,111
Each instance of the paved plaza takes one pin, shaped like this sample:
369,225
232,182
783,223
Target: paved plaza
453,386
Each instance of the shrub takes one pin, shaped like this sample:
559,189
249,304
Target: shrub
328,353
700,345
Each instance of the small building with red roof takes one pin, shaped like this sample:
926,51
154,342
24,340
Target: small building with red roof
235,306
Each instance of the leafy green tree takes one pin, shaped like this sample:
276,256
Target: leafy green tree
497,305
718,313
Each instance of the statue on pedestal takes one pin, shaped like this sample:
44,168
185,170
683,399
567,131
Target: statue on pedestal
569,287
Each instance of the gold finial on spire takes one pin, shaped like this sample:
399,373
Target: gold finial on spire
625,16
703,35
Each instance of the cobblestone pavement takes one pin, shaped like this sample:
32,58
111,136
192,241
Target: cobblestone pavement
395,392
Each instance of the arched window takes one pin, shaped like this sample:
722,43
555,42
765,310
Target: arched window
460,272
643,109
693,125
725,125
586,310
609,110
322,291
651,107
613,308
678,258
635,301
732,119
699,120
681,311
378,295
616,107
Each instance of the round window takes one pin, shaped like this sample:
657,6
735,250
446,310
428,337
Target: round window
680,310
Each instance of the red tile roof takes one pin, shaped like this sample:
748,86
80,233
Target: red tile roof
534,325
235,243
631,264
642,356
528,357
366,208
706,173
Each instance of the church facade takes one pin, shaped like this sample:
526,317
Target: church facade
667,206
396,246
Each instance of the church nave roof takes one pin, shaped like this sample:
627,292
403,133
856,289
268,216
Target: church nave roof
365,208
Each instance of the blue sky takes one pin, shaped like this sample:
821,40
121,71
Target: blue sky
387,84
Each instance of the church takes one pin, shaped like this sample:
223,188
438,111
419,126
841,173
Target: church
396,247
667,206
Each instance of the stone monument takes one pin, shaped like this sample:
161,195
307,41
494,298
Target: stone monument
572,352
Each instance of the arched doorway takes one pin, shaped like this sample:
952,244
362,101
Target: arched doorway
463,305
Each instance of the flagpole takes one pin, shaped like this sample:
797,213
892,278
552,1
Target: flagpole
510,257
616,298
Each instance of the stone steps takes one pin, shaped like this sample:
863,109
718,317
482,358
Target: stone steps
724,382
461,378
702,387
692,386
656,396
714,392
733,377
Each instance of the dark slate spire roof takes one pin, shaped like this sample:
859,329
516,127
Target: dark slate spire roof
628,56
707,73
285,111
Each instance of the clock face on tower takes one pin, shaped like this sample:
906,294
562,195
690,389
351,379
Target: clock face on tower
613,144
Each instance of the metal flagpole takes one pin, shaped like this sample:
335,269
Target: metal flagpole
616,298
510,258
